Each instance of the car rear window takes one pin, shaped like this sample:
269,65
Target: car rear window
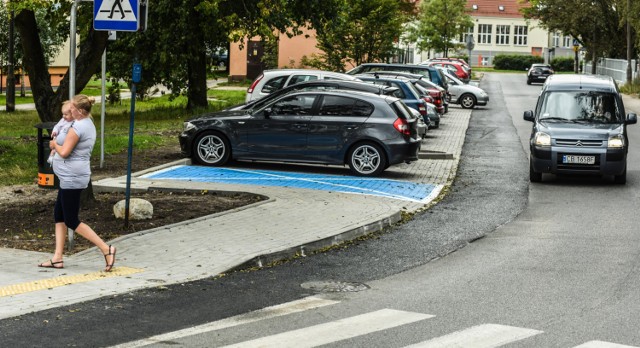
302,78
274,84
333,105
402,111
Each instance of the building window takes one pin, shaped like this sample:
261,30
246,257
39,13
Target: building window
520,35
463,37
567,41
484,33
502,34
555,40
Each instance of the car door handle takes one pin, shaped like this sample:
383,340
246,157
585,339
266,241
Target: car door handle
240,122
351,127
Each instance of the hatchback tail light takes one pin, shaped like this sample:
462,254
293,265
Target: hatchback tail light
422,109
255,82
402,126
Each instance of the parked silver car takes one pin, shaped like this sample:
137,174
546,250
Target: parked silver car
272,80
466,95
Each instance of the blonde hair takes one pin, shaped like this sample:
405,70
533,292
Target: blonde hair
83,103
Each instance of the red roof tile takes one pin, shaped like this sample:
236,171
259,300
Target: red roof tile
491,8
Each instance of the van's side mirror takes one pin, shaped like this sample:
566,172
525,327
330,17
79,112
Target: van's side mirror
528,116
267,112
632,118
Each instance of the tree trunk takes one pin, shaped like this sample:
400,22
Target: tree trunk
47,101
197,67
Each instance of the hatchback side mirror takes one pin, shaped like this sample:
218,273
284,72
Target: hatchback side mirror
528,116
267,112
632,118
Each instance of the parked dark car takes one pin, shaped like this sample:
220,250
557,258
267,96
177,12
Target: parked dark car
439,97
431,73
579,127
539,73
406,91
318,85
365,131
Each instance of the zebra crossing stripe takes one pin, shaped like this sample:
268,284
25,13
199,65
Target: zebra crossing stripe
262,314
600,344
336,330
481,336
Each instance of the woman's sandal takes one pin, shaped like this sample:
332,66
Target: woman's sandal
113,258
52,264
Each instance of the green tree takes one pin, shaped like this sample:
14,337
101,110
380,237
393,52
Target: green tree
440,24
596,24
173,51
35,49
361,31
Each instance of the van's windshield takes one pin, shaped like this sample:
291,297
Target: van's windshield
580,106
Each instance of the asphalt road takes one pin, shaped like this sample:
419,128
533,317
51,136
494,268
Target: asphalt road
558,260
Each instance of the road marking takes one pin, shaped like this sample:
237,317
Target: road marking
600,344
395,189
301,305
481,336
16,289
336,330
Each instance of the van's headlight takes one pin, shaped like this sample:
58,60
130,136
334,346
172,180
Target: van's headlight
187,126
542,139
616,142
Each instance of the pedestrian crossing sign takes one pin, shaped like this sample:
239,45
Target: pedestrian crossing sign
118,15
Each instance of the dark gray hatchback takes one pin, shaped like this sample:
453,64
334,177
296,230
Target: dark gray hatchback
579,127
368,132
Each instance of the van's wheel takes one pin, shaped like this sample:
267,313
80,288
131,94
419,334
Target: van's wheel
533,175
366,159
622,178
468,101
212,149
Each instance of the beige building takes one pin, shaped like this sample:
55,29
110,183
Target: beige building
57,69
499,28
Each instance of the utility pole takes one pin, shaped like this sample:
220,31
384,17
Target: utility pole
11,83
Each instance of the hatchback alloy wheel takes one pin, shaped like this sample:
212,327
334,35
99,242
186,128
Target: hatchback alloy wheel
367,159
212,149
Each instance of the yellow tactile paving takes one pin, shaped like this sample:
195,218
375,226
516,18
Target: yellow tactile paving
55,282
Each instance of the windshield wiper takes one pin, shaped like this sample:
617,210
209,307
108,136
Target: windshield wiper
557,119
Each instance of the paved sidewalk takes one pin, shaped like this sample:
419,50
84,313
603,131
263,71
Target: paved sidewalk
291,221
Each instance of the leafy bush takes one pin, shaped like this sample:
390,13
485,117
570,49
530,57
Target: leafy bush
562,63
515,61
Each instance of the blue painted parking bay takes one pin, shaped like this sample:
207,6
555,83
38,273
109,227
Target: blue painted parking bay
396,189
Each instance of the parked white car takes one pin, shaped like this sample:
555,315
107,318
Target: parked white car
272,80
468,96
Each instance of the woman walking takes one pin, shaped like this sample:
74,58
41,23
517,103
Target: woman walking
72,166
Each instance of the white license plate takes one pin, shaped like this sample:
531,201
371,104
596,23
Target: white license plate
570,159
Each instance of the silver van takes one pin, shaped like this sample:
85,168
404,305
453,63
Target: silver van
579,127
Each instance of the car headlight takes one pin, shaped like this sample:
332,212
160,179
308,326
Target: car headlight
542,139
187,126
616,141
